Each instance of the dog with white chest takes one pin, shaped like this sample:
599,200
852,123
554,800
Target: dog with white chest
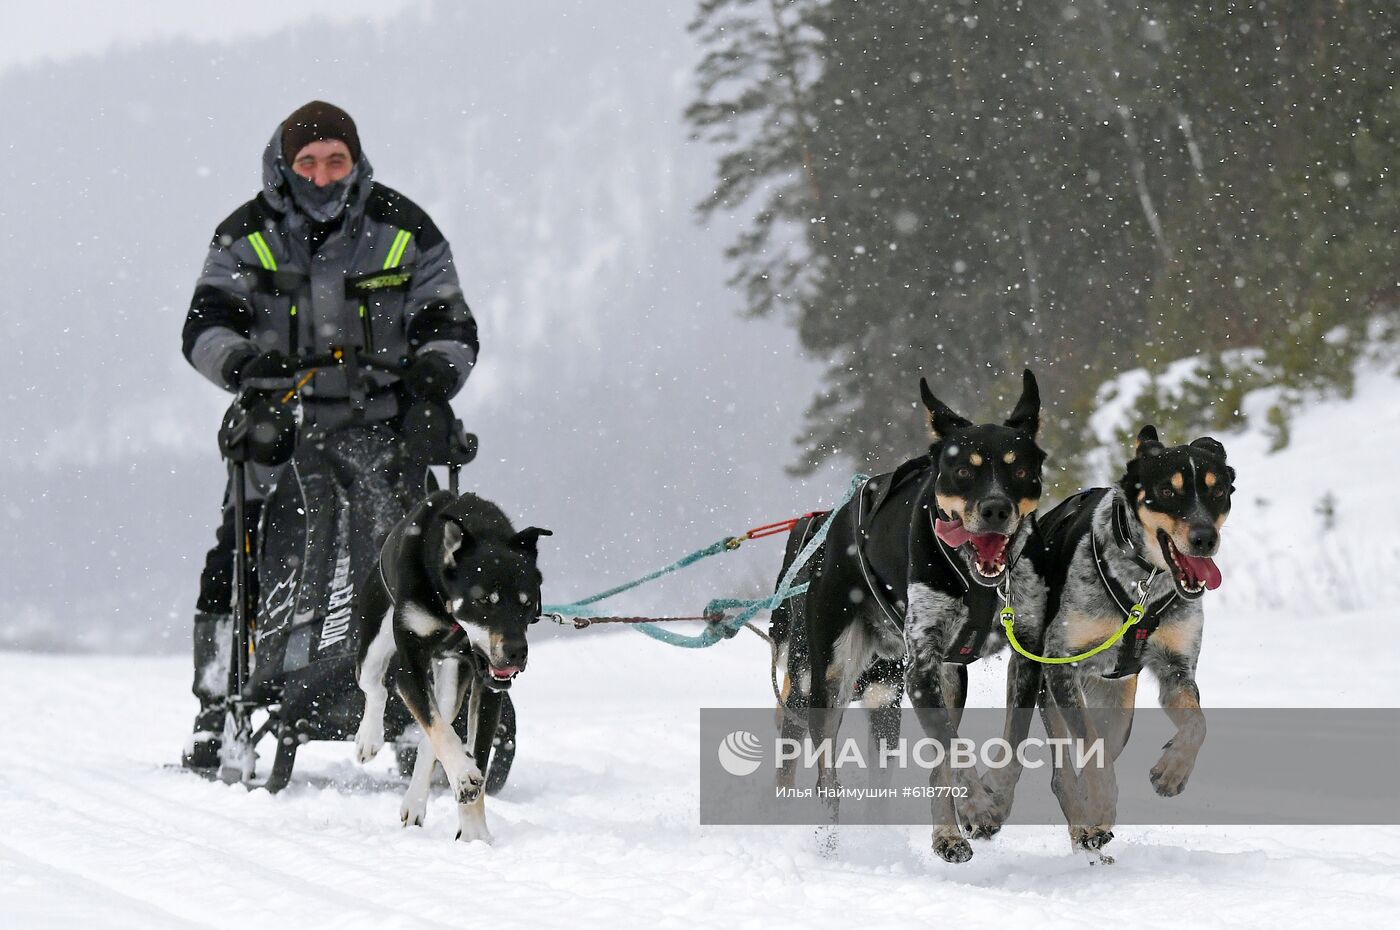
449,605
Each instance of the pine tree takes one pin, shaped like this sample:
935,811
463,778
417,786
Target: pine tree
960,190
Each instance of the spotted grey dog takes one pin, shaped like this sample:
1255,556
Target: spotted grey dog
450,600
1143,546
910,579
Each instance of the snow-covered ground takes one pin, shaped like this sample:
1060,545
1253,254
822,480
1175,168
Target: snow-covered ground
599,824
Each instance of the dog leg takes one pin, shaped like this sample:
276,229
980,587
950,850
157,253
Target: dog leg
414,808
972,801
1182,701
930,613
369,739
792,713
925,687
824,721
1120,696
1064,780
471,817
415,800
462,774
1022,685
883,694
1091,811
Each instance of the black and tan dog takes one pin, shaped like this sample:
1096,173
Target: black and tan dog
905,594
455,590
1146,542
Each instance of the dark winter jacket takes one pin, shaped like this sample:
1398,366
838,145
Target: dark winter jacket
380,277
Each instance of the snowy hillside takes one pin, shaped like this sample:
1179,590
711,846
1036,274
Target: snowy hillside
598,826
1312,524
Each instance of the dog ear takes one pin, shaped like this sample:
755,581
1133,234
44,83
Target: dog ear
1026,417
941,418
1210,446
1147,442
527,540
455,541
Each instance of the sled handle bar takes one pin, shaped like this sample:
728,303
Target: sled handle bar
307,365
392,364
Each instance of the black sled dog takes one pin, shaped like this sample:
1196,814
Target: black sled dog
1144,548
452,596
905,593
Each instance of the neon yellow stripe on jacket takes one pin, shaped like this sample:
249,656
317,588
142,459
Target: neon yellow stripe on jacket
397,249
259,245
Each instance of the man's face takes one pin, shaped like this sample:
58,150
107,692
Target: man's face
323,162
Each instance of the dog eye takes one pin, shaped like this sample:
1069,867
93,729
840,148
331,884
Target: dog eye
1166,492
1218,492
963,472
1021,474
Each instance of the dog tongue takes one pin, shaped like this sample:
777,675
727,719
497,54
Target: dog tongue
988,545
1203,570
951,532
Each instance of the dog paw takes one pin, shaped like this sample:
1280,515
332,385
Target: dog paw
471,828
367,747
951,847
1090,839
413,810
1170,773
369,739
470,786
983,816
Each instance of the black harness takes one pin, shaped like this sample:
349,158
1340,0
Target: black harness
868,501
1069,523
963,645
391,554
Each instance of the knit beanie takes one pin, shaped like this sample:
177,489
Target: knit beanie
314,122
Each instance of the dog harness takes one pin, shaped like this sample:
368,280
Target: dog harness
893,613
1069,523
964,644
391,551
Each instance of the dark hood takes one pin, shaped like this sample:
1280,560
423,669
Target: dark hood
278,180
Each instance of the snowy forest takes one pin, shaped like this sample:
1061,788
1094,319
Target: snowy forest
1083,187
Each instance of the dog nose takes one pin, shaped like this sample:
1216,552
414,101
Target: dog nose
995,511
1203,539
515,653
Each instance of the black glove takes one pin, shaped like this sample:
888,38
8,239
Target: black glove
234,364
271,369
429,376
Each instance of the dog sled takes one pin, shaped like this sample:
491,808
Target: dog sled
294,643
